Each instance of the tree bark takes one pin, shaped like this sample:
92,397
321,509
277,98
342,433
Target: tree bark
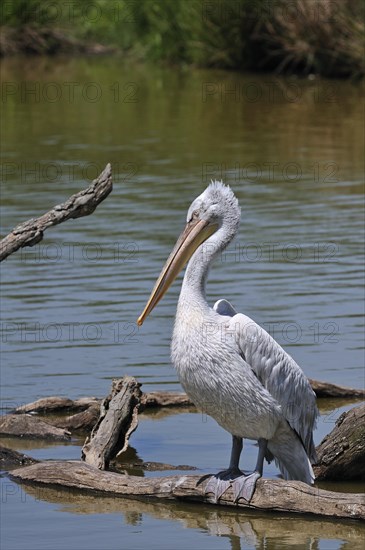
341,454
118,420
83,421
270,495
10,459
81,204
326,389
56,404
31,427
156,399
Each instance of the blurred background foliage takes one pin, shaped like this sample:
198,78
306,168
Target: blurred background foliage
324,37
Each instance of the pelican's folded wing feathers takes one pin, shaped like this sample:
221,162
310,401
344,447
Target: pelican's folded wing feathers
279,374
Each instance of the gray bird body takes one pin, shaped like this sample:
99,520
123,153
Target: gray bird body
229,366
235,372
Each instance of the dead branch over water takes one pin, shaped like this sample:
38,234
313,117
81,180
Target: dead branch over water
81,204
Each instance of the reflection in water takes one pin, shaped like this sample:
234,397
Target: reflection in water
243,529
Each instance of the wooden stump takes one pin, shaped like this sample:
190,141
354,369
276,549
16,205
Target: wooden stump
118,420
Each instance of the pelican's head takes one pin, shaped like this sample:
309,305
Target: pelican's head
217,205
216,209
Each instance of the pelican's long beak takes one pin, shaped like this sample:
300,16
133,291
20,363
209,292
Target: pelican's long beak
194,234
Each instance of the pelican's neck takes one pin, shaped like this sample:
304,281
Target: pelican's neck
193,287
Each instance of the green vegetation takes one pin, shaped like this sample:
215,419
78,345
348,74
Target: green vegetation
321,36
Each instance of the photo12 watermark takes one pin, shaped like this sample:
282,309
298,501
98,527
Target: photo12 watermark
253,335
276,252
88,12
26,332
55,172
270,171
69,92
270,91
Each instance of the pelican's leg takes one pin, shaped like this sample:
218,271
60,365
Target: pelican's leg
244,486
219,483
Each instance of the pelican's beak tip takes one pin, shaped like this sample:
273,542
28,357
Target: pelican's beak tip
139,321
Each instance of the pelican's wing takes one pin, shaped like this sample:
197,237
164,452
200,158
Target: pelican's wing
280,375
223,307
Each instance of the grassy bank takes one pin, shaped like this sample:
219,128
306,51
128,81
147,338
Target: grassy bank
304,36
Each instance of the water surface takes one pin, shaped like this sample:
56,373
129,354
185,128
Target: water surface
291,149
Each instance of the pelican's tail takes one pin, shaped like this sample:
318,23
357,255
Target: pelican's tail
290,455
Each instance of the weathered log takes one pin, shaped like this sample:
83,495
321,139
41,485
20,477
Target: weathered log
82,421
118,420
344,451
326,389
270,495
155,399
341,454
31,427
57,404
152,466
10,459
81,204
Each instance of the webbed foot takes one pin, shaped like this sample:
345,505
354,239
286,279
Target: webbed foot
244,486
219,483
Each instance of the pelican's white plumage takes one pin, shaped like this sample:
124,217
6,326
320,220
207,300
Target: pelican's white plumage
229,366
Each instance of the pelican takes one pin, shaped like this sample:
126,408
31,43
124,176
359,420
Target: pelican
229,366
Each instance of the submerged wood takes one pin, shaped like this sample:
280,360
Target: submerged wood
32,427
326,389
270,495
10,459
81,204
56,404
82,421
155,399
341,455
118,420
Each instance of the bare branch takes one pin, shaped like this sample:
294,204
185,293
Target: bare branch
81,204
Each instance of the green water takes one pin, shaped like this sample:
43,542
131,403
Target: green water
293,152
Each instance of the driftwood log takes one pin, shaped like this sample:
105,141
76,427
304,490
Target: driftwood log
10,459
31,427
81,204
156,399
341,454
270,495
326,389
86,410
55,404
118,420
